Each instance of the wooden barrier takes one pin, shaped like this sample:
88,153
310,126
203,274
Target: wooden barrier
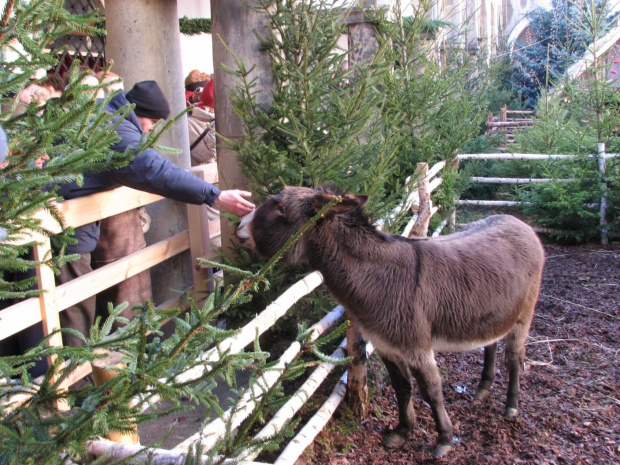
601,157
78,212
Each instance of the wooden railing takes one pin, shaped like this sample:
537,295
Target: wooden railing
77,212
508,122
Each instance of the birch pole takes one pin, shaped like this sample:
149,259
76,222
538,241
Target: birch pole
420,228
603,208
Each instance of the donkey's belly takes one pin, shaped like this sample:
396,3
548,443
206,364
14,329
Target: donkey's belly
443,345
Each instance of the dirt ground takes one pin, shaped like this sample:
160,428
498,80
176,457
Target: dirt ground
570,401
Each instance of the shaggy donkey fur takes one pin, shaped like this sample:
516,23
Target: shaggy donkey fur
411,297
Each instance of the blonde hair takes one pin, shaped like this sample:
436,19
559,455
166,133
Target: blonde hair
195,76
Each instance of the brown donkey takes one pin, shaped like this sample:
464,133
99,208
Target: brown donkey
412,297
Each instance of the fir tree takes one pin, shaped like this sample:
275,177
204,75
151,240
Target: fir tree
324,123
72,130
75,132
574,119
557,39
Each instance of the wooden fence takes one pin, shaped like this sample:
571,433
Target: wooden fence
508,122
55,299
601,156
46,308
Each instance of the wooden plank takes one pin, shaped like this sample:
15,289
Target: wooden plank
491,203
200,234
436,168
207,172
510,156
78,289
84,210
49,311
20,316
481,179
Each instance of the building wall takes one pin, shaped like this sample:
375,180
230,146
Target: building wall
196,51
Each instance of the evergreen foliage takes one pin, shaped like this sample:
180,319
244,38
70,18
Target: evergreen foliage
323,124
361,124
194,26
435,100
558,38
574,119
75,132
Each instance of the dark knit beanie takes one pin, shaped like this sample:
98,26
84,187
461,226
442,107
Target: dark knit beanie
150,101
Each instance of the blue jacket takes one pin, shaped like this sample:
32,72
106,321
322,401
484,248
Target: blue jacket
148,171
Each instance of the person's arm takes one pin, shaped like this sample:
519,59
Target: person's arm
150,172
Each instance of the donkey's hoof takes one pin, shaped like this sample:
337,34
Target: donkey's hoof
482,394
441,450
511,412
394,440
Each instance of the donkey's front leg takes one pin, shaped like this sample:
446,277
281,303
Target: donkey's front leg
401,382
427,375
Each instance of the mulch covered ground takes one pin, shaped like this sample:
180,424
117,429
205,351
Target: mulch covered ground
570,401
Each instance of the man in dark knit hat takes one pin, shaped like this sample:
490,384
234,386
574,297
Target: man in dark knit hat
112,238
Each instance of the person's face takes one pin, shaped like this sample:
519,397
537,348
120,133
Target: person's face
147,124
39,162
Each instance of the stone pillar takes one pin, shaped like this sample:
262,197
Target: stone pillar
144,42
236,24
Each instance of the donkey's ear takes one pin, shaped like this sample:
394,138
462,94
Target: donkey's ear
320,200
349,202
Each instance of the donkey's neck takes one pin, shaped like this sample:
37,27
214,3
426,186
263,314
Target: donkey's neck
349,255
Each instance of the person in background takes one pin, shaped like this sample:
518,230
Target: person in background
113,81
50,87
194,83
148,171
201,127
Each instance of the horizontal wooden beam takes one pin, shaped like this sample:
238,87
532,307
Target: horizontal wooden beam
84,210
78,289
486,180
26,313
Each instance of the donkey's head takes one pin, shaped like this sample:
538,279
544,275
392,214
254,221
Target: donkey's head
273,223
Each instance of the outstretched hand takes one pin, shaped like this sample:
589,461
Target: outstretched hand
234,201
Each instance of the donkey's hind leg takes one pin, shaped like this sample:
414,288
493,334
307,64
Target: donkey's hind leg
488,372
515,358
401,382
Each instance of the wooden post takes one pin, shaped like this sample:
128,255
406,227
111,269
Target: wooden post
603,208
104,369
49,309
199,233
357,385
420,228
